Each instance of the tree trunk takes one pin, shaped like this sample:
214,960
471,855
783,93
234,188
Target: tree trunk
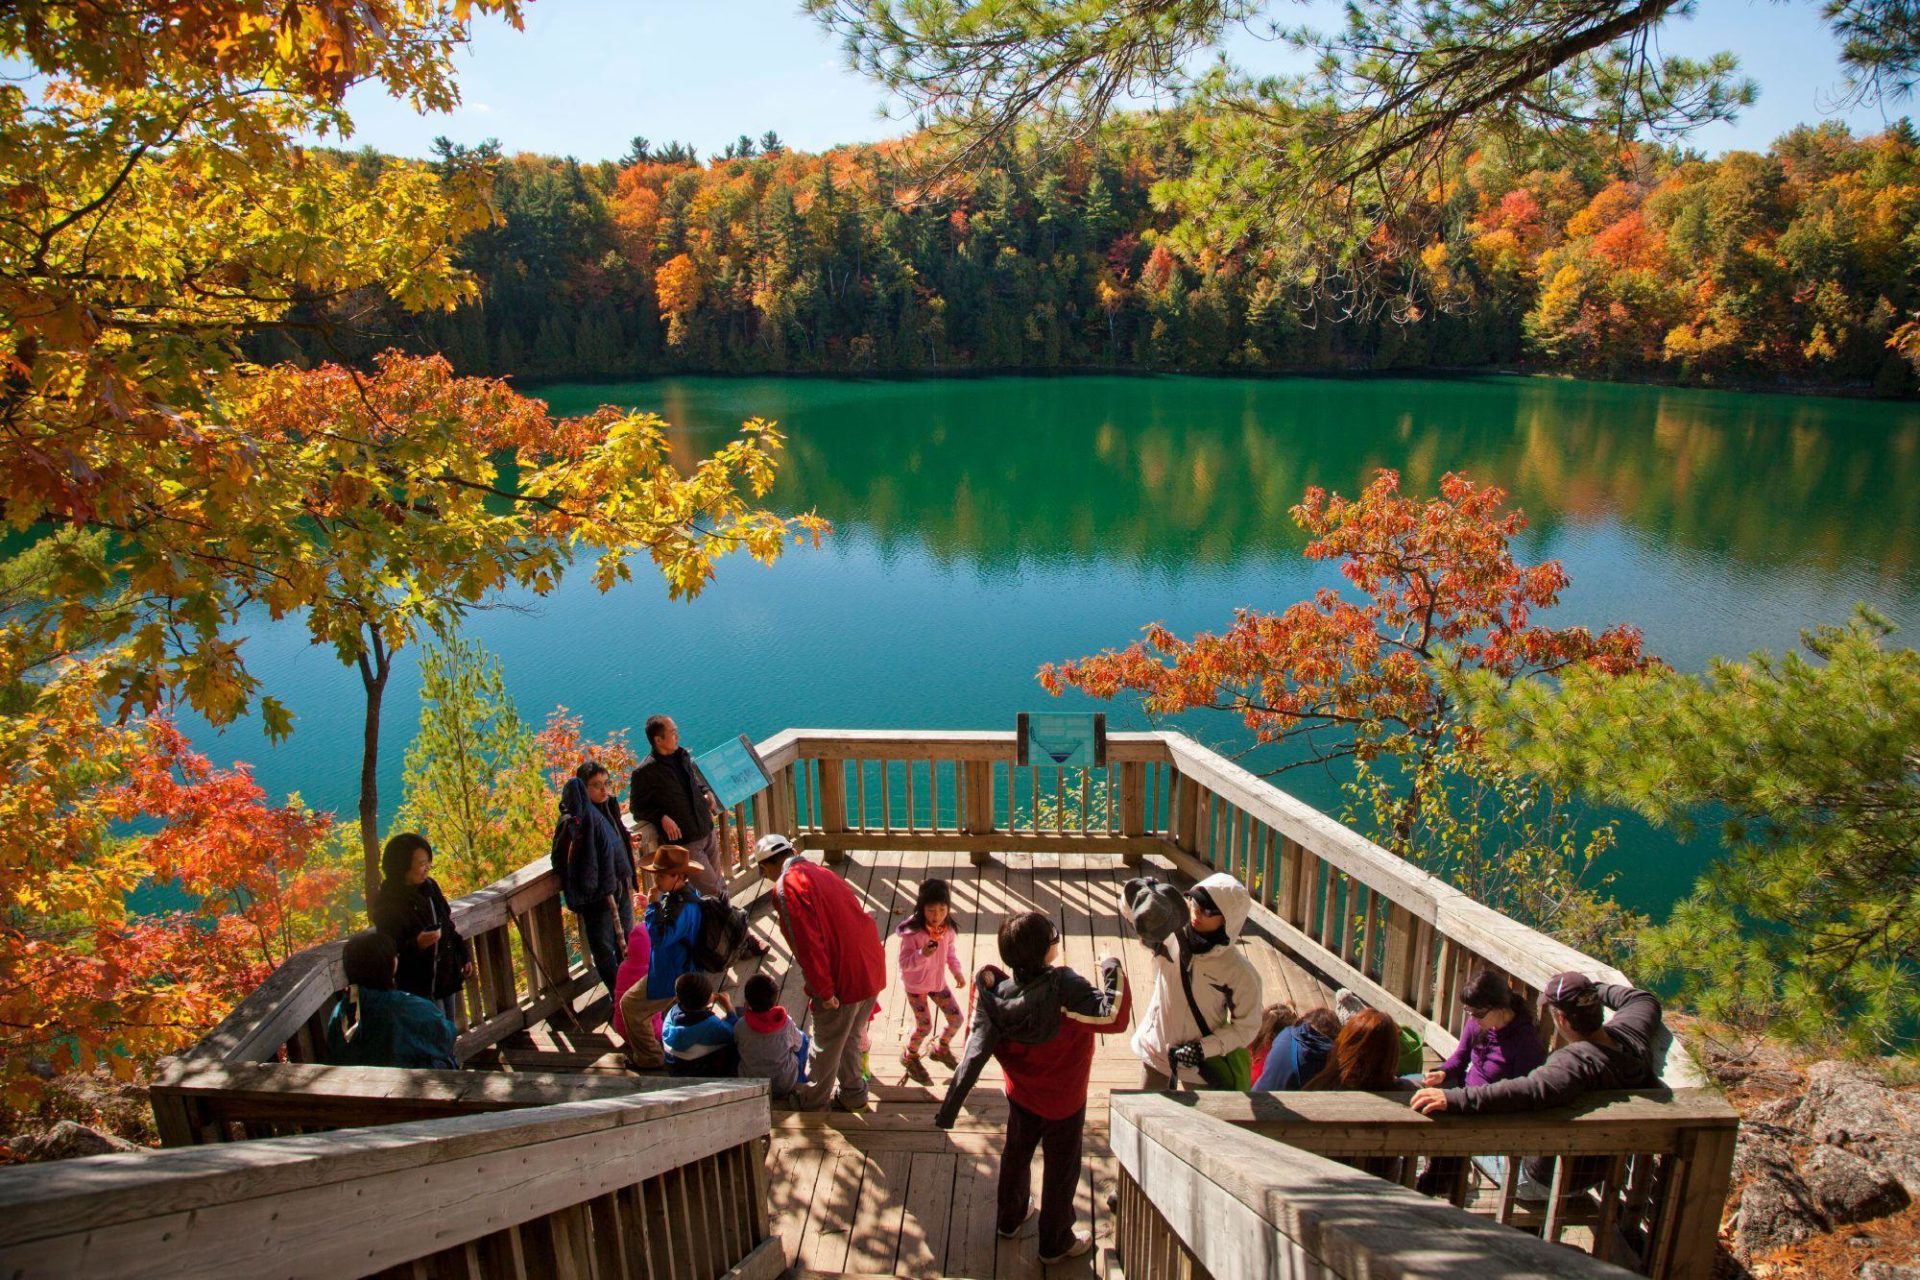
375,665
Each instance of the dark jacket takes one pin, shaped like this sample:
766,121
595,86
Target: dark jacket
1581,1067
673,927
403,912
1296,1057
370,1028
600,865
672,787
1041,1032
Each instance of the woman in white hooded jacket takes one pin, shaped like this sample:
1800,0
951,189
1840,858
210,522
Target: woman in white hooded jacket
1171,1041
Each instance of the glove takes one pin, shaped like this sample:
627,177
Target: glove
1187,1057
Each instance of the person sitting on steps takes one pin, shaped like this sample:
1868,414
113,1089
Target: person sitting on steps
373,1025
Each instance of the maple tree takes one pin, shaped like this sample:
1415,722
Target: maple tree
1334,677
564,747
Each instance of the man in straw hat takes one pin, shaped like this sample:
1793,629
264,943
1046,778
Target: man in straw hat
673,926
837,946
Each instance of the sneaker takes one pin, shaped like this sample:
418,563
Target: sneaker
909,1058
944,1054
840,1102
1346,1003
1080,1245
1032,1210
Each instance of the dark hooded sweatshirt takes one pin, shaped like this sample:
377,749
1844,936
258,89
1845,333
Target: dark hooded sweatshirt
599,865
1041,1032
1581,1067
403,912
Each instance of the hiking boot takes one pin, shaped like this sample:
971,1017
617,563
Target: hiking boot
841,1102
1008,1233
944,1054
1081,1245
754,948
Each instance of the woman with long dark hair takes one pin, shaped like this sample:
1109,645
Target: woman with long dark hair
409,908
1366,1055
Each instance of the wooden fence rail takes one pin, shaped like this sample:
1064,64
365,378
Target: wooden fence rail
668,1185
1203,1199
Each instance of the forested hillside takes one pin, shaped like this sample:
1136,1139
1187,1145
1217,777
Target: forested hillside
1800,265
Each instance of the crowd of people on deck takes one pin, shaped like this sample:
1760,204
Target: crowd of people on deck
808,1031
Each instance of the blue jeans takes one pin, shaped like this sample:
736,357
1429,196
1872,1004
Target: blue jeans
607,935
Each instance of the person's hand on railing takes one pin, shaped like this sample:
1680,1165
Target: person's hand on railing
1429,1102
1434,1079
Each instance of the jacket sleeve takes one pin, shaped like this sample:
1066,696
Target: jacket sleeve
643,793
805,935
1636,1015
1279,1061
981,1039
1244,992
1104,1008
1559,1081
700,783
1455,1066
953,959
392,919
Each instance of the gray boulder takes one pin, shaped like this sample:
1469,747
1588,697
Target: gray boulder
1846,1188
1888,1271
1846,1106
66,1141
1776,1208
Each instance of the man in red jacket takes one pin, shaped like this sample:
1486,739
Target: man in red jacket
838,948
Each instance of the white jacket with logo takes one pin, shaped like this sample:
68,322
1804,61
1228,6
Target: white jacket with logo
1225,986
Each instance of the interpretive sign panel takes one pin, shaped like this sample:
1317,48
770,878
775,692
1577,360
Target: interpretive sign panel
734,771
1062,740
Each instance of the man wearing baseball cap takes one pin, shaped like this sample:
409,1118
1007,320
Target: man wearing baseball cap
837,946
1597,1054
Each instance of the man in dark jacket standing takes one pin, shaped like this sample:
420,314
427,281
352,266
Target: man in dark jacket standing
673,804
1598,1054
837,946
599,882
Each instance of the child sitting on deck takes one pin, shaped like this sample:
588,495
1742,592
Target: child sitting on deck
769,1043
699,1041
372,1025
1039,1025
927,956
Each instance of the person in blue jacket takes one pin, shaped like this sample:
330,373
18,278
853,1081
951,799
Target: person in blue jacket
700,1041
373,1025
599,874
1299,1051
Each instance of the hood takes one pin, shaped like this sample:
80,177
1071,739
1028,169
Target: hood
573,797
1023,1012
766,1023
1231,897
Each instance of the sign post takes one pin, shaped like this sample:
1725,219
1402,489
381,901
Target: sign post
735,772
1061,740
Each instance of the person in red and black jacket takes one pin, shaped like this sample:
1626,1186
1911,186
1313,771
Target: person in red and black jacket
1039,1024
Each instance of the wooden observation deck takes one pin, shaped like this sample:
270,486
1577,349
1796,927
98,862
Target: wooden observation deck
547,1156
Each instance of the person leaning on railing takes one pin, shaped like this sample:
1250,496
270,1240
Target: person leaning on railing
373,1025
599,876
672,804
435,961
1598,1054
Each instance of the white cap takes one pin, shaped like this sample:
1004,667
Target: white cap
773,845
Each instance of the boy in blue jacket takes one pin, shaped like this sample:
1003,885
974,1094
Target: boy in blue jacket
699,1041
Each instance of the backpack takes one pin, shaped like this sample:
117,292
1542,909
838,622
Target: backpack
566,833
722,936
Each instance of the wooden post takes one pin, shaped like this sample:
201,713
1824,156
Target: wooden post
1133,806
979,814
1691,1202
833,803
1186,813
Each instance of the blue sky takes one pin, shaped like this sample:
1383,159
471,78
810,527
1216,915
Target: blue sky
587,75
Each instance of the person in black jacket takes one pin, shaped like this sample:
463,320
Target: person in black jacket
599,881
435,961
1598,1053
672,804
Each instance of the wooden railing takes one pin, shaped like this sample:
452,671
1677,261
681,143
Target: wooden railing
1202,1198
667,1185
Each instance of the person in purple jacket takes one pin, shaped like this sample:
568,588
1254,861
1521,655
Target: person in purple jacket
1499,1042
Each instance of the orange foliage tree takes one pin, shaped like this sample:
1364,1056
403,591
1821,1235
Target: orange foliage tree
1439,595
564,748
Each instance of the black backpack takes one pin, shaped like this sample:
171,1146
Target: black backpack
722,936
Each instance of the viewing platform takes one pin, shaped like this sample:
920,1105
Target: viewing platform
548,1157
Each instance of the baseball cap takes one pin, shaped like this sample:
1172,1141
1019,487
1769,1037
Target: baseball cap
1570,990
772,845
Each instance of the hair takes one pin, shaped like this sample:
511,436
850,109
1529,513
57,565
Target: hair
933,893
762,992
589,770
397,858
368,959
1274,1019
1025,940
1366,1054
657,725
1323,1020
1583,1019
693,991
1488,990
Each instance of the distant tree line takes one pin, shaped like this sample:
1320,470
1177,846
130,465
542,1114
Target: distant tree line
1566,252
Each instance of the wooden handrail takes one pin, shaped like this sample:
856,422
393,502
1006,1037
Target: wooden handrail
607,1184
1196,1189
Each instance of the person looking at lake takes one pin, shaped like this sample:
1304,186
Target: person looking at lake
435,961
837,946
672,803
1599,1053
599,880
927,956
373,1025
1205,1009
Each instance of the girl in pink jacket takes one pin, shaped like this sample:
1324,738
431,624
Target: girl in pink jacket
927,956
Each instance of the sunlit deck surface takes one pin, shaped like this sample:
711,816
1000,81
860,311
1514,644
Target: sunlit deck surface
886,1193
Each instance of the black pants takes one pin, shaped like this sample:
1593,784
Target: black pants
1059,1145
607,935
